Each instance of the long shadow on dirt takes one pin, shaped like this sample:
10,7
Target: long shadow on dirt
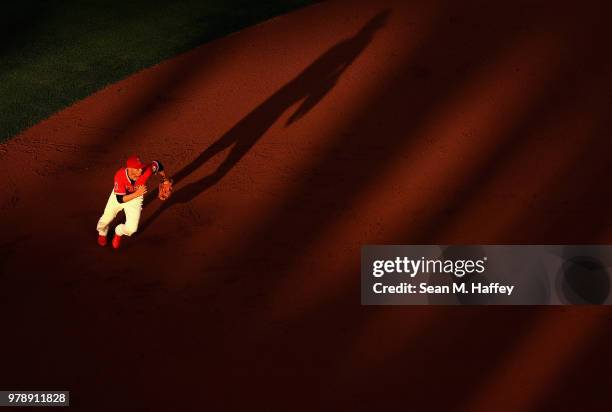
310,87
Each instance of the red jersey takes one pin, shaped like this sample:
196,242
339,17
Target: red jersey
124,185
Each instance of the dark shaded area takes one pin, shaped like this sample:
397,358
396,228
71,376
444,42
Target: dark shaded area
53,53
577,383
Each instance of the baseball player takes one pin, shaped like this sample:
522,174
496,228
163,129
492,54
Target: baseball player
127,195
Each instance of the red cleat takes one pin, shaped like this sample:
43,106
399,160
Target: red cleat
101,240
116,241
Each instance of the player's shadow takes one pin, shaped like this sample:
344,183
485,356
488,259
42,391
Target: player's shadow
309,87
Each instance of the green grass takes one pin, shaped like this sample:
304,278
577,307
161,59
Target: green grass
56,52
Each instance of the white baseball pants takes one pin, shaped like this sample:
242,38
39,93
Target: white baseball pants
132,211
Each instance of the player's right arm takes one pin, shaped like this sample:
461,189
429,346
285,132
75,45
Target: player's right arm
140,191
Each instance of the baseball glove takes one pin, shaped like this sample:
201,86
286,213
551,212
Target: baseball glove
165,189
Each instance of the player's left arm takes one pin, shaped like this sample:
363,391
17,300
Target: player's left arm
159,169
165,187
155,167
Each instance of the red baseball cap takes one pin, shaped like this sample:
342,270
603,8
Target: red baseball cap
134,162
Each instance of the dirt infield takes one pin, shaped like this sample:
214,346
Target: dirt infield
293,143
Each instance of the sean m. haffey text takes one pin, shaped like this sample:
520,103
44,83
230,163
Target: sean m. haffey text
413,267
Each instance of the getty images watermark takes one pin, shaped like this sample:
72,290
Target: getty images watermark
486,275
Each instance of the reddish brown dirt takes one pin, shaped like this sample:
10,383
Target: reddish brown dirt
293,143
